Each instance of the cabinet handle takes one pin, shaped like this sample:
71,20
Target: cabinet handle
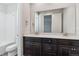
49,40
73,49
49,48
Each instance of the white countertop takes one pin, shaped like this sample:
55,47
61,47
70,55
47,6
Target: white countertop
53,36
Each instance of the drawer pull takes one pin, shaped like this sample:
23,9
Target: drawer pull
73,49
49,40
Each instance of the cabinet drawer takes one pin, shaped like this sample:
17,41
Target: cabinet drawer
49,40
75,43
63,50
63,42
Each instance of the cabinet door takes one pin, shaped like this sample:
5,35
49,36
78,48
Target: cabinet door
32,46
48,47
27,46
63,50
74,51
36,49
36,46
48,50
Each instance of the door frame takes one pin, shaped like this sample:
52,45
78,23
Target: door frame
19,39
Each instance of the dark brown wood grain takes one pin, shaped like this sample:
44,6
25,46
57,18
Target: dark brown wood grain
33,46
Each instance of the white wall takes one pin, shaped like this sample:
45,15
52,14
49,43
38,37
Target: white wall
69,19
2,22
8,17
26,18
11,17
49,6
77,18
57,23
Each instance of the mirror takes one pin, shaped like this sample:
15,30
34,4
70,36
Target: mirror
56,21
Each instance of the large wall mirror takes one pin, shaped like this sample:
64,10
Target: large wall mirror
62,20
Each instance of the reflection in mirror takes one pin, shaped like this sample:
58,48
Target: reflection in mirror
49,21
56,21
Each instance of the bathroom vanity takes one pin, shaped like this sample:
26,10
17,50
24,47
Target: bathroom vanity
38,45
53,31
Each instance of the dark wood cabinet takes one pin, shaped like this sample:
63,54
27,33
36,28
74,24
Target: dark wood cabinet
63,50
74,51
48,47
33,46
48,50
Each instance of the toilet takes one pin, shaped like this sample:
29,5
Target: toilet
11,50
